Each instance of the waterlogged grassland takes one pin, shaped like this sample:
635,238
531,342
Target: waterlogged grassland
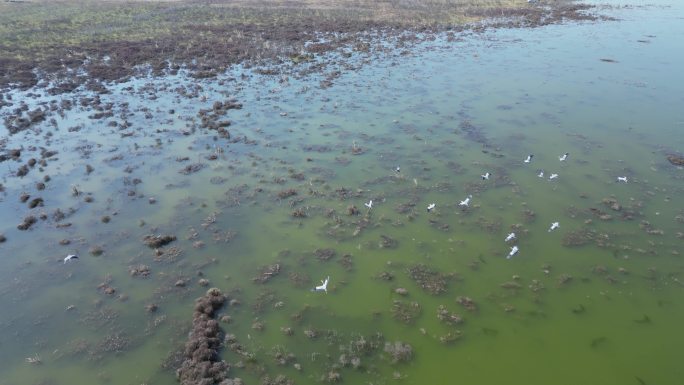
110,39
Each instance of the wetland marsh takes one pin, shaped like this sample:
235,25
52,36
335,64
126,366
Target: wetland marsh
252,179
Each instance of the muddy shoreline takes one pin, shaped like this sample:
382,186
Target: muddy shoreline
206,38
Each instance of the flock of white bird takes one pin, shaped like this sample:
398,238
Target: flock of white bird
464,203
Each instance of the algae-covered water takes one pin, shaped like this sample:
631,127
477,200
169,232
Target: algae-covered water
269,212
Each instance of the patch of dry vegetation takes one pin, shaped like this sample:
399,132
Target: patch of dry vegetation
110,38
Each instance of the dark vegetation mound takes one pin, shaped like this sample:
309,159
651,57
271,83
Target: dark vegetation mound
202,364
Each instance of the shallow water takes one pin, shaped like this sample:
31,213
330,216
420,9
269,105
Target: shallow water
445,114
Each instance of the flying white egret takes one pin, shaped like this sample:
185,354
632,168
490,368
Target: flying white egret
466,201
510,237
529,158
563,157
369,204
323,286
541,173
485,176
514,251
553,176
554,226
622,179
431,206
70,257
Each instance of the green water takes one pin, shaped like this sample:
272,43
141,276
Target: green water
445,114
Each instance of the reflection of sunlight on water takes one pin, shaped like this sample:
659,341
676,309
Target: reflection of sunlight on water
280,192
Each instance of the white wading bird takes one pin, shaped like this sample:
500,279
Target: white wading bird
510,236
553,176
554,226
514,251
541,173
466,201
323,286
431,206
529,158
622,179
563,157
70,257
486,176
369,204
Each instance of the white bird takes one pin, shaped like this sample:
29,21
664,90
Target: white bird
554,226
323,286
529,158
553,176
466,201
485,176
514,251
563,157
510,237
70,257
398,169
369,204
622,179
431,206
541,173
